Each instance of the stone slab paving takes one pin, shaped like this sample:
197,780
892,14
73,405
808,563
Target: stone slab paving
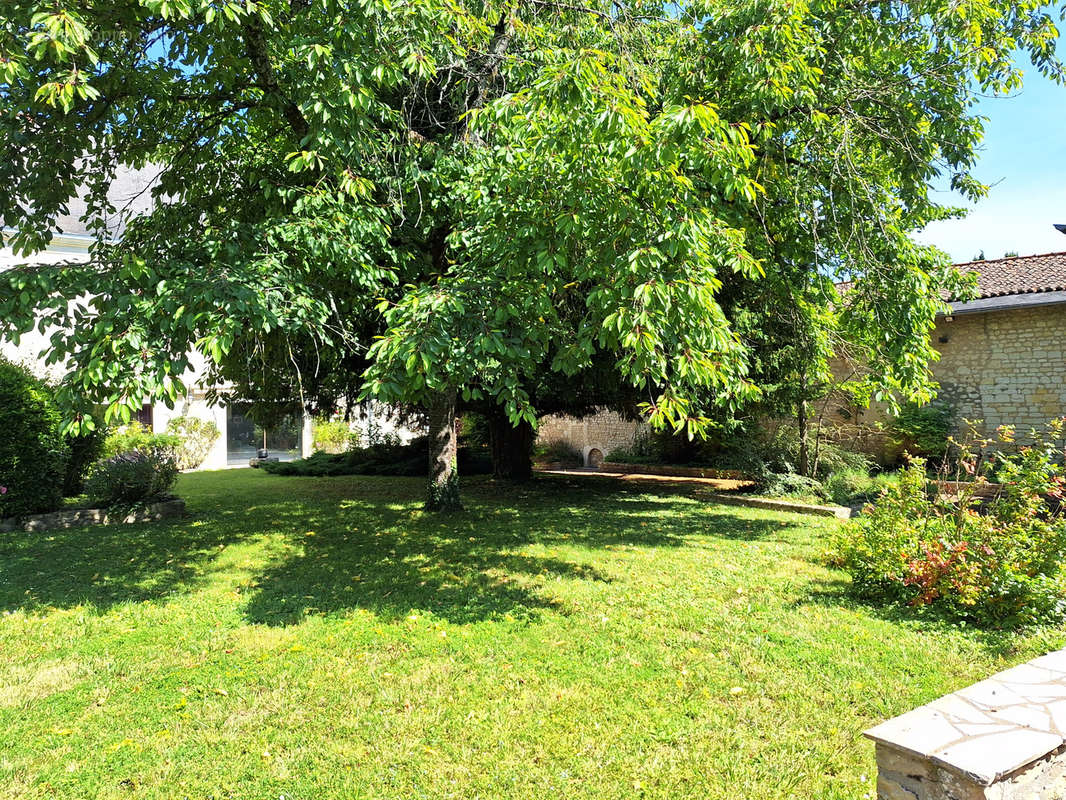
989,730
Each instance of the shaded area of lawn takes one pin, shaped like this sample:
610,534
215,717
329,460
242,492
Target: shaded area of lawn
362,542
323,638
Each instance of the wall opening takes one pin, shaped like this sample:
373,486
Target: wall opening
594,458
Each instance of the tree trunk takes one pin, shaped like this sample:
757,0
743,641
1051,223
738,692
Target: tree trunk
512,448
443,489
804,445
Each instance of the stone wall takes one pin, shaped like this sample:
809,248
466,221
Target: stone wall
1000,367
1004,367
595,435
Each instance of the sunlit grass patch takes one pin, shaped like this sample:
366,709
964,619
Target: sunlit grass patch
321,638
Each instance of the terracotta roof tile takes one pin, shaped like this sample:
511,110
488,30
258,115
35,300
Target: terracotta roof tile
1019,274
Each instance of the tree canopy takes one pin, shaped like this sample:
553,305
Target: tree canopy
446,198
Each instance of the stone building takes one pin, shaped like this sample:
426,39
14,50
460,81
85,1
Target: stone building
1002,361
1003,354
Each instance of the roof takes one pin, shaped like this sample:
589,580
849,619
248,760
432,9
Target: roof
1018,275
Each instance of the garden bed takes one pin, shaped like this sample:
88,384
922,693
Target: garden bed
81,517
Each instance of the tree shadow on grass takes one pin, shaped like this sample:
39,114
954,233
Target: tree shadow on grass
106,565
370,547
838,593
471,566
392,572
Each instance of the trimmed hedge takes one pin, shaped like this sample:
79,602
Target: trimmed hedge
33,452
381,459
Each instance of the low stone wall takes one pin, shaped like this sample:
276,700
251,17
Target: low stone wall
81,517
593,436
839,512
1000,739
680,472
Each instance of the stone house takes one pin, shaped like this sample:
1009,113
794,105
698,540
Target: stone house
1003,354
1002,361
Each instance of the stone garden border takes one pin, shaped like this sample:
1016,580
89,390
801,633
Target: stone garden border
839,512
680,472
81,517
1000,739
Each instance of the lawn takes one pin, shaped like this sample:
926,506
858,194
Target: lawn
314,638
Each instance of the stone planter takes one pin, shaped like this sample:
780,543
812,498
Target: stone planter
82,517
1000,739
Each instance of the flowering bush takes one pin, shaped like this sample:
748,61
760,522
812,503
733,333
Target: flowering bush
994,562
133,476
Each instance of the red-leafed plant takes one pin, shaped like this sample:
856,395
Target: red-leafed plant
949,545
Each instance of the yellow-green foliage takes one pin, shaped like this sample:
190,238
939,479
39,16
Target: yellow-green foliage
334,436
196,437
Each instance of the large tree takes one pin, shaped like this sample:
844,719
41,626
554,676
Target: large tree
459,196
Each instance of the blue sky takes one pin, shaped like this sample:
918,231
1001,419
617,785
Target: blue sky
1024,160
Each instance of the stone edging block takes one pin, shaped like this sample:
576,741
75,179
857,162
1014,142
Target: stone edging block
81,517
839,512
1000,739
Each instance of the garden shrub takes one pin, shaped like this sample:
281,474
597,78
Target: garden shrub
789,484
333,436
559,451
195,438
133,476
85,449
664,448
135,436
924,431
997,565
850,486
33,453
390,457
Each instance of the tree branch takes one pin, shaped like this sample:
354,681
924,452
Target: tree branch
258,54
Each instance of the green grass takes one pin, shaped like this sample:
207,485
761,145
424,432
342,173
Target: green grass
322,638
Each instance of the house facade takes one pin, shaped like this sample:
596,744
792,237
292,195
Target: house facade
1003,355
240,437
